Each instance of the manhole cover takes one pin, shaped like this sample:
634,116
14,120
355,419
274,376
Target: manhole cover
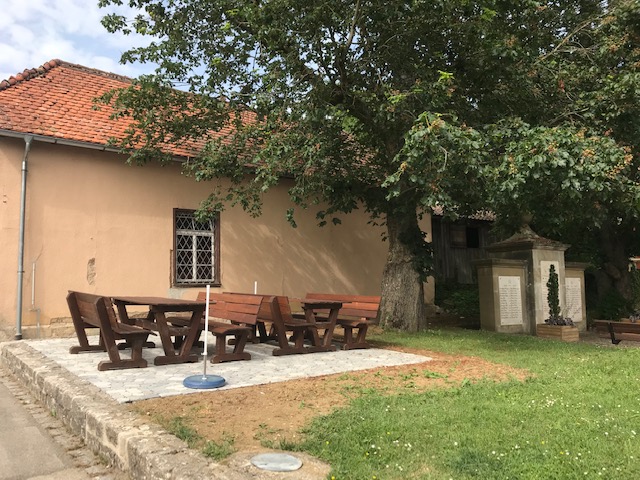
276,462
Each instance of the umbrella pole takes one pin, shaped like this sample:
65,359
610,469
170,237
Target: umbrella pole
205,381
206,333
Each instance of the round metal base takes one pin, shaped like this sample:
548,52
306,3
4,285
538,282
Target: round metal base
276,462
204,381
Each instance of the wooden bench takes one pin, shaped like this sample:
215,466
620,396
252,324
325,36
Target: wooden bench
618,331
241,311
276,322
94,311
357,312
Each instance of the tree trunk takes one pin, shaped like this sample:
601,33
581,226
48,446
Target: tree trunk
402,306
616,262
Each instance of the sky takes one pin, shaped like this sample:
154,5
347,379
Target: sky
33,32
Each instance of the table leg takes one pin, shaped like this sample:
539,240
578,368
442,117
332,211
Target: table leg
321,343
122,313
193,334
328,333
170,356
124,318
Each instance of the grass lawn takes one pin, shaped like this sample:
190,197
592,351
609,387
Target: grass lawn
577,417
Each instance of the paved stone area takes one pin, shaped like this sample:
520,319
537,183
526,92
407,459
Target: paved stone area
134,384
88,403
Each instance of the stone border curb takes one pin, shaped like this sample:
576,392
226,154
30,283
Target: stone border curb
145,452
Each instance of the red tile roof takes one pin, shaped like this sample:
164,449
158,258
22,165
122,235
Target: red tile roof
56,100
484,215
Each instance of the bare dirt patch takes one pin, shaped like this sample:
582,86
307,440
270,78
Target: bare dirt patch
265,415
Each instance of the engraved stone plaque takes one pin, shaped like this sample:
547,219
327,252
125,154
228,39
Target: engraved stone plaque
573,294
510,300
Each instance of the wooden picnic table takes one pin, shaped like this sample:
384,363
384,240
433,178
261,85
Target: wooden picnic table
276,315
156,320
328,324
355,316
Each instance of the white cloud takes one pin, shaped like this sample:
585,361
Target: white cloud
36,31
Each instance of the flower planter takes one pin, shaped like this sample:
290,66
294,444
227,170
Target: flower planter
566,333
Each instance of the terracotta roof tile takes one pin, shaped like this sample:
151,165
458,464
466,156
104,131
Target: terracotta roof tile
56,100
484,215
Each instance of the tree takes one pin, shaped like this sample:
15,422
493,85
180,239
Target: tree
553,297
578,187
603,77
553,301
577,171
375,105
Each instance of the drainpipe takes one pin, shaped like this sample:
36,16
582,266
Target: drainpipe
23,200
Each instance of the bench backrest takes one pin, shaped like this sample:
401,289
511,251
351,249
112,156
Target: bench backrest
94,310
276,308
237,308
273,308
618,327
359,306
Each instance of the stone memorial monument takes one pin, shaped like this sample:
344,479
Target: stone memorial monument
513,284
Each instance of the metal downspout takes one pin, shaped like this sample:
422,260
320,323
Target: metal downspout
23,201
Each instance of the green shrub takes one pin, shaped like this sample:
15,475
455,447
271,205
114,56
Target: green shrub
459,299
553,299
635,290
613,306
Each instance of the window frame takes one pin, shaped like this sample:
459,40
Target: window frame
465,236
215,257
458,235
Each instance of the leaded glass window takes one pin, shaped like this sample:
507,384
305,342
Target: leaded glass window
196,249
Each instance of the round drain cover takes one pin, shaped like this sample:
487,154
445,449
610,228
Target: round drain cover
276,462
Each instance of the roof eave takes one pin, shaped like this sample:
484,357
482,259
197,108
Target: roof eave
70,143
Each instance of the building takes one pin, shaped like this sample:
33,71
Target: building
457,244
75,216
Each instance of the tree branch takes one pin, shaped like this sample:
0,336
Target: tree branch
352,31
568,38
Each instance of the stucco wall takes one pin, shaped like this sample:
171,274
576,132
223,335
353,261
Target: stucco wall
95,224
10,164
